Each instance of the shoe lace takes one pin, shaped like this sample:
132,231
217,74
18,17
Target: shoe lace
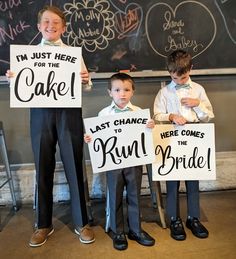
81,229
36,232
120,236
196,222
178,223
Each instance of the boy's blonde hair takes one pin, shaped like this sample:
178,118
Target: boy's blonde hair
53,9
122,77
179,62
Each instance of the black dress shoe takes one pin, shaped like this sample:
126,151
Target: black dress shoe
120,241
142,238
177,230
197,228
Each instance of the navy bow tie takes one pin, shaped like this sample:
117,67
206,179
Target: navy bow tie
185,86
51,43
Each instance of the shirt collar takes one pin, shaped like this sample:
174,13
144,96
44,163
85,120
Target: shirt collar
173,84
129,106
57,42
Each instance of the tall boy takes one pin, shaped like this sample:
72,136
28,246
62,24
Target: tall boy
64,126
180,102
121,89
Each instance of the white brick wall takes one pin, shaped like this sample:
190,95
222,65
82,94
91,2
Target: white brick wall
24,181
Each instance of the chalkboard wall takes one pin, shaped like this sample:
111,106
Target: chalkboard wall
133,35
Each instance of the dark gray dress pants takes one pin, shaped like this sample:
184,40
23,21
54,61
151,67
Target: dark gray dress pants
49,127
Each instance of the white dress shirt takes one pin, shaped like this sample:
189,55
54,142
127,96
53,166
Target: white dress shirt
168,100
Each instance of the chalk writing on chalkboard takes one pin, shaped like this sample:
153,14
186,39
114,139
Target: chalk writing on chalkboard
134,35
89,26
228,12
17,26
173,26
96,26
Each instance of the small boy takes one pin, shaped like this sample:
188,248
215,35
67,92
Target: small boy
64,126
121,89
180,102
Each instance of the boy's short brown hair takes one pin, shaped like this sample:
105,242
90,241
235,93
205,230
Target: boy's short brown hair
122,77
179,62
53,9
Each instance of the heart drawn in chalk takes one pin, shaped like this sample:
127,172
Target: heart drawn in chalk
128,23
190,26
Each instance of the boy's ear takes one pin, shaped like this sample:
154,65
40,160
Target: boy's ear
38,25
109,92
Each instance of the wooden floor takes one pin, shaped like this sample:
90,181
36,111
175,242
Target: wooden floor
218,211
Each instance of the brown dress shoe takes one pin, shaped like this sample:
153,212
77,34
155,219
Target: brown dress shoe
85,234
40,236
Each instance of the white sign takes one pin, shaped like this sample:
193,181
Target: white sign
45,76
119,141
184,152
